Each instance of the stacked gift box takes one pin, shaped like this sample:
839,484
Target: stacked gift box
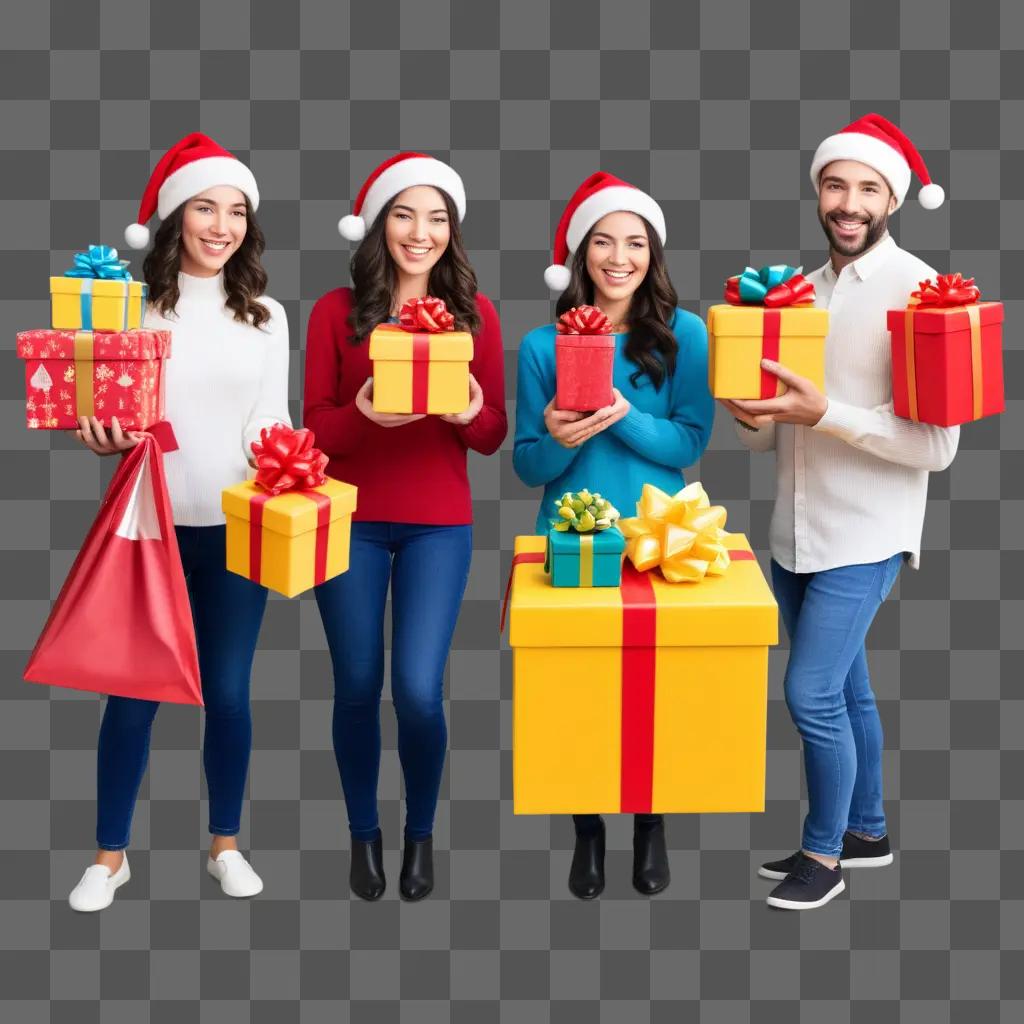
95,359
647,695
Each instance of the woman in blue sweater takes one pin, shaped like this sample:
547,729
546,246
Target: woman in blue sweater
609,253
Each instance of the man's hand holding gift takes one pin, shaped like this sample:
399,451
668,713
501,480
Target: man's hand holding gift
802,402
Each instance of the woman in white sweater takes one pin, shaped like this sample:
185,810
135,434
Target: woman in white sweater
226,380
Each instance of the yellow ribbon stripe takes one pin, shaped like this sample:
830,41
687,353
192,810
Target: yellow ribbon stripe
83,373
908,340
977,369
586,559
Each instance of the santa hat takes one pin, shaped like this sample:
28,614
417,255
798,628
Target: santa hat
598,196
396,174
188,167
877,142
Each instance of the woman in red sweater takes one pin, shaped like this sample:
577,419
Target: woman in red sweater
412,527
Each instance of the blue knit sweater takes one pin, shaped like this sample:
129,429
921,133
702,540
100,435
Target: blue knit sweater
663,432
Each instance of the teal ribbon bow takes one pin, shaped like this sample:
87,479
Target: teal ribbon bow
100,263
753,285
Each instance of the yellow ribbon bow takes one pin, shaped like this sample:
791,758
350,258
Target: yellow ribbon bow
682,534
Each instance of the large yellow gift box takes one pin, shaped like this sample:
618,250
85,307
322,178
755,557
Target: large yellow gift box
417,372
647,699
739,337
88,304
289,542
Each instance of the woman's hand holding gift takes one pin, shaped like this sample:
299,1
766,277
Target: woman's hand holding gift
571,429
476,403
364,403
93,435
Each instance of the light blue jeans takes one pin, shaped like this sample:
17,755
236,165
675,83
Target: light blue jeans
828,692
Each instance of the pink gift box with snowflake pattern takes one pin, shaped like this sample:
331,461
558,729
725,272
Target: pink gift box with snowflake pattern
93,373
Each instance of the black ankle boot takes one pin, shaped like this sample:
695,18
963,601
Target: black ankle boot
586,875
366,871
650,858
417,878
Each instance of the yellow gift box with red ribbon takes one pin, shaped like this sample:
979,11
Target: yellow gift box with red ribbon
289,528
292,541
421,364
648,698
768,314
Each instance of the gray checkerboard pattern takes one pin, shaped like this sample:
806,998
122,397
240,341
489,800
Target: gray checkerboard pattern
715,107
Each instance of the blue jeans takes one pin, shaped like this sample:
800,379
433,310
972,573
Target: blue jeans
828,691
227,611
427,568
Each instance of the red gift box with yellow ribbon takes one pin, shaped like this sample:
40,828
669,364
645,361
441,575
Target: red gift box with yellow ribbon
947,355
289,528
648,698
93,373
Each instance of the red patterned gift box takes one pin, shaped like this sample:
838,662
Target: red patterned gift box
584,360
84,373
947,358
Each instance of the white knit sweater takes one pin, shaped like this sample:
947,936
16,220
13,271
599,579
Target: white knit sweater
225,381
853,488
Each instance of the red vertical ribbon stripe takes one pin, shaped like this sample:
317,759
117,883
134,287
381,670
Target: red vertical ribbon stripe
323,526
770,350
256,503
420,371
639,654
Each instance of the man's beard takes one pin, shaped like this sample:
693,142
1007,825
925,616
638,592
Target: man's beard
876,228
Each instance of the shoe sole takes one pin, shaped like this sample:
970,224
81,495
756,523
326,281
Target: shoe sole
774,901
114,887
854,862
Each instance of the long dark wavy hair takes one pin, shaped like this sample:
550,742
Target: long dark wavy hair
651,344
244,277
375,278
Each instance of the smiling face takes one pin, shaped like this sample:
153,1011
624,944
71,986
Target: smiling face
854,203
618,255
212,228
417,231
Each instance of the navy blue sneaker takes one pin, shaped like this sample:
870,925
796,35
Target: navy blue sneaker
808,886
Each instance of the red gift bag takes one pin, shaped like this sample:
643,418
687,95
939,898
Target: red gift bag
122,624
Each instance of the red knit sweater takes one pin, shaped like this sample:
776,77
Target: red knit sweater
410,474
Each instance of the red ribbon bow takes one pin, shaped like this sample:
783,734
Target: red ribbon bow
789,293
427,315
583,320
286,460
948,290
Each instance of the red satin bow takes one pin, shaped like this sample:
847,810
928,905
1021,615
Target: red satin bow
793,292
583,320
427,315
948,290
286,460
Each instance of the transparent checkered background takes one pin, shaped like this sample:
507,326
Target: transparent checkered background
716,108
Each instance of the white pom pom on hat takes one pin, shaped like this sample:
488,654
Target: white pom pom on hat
190,165
599,195
876,141
394,175
352,228
137,236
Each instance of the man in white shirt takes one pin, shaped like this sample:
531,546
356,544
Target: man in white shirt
852,483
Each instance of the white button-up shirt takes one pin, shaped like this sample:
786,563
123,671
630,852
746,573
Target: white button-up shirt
852,489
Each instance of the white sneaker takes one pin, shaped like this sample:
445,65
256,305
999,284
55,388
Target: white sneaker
96,889
235,874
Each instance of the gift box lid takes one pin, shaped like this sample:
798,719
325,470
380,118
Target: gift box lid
49,343
733,610
585,341
566,543
725,318
940,319
100,286
290,513
391,341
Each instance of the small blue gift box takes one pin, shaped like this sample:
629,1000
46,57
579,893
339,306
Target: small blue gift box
585,559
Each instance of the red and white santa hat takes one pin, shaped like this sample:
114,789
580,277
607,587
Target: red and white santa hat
599,195
396,174
189,166
877,142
